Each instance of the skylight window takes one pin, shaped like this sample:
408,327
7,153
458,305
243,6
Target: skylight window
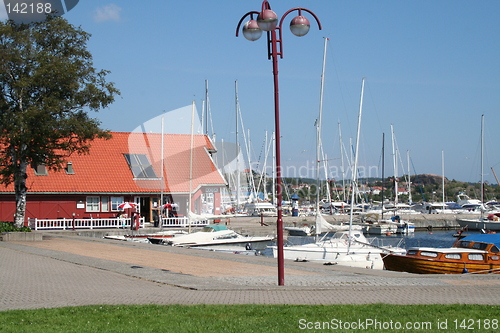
140,166
40,170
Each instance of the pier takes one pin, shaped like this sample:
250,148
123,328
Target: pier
266,226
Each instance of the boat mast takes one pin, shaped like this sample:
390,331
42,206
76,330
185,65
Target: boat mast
263,177
395,162
162,177
482,165
342,166
383,169
442,171
318,141
205,117
410,200
355,167
191,165
274,169
237,148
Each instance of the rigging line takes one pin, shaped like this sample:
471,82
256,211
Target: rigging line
417,181
375,107
262,148
340,87
246,141
263,175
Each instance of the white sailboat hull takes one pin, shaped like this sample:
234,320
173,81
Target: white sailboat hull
361,257
337,250
479,224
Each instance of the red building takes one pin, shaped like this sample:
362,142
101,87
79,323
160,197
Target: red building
127,167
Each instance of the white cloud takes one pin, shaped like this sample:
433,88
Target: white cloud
109,12
3,11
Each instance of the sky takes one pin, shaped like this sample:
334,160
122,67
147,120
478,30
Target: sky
431,69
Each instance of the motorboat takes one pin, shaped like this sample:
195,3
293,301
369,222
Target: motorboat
379,228
393,225
219,236
260,209
156,237
403,226
490,222
465,201
479,253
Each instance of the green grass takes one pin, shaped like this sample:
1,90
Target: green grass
253,318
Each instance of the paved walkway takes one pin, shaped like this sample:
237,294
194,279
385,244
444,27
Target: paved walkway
74,270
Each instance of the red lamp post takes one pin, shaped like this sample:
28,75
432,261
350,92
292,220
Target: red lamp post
267,20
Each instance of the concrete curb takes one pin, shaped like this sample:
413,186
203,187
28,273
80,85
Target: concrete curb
21,236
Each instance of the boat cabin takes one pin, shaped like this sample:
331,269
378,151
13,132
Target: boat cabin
475,253
260,209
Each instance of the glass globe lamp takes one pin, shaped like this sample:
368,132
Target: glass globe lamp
300,26
251,30
267,20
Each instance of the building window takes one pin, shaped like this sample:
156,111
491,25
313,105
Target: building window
93,204
115,202
140,166
105,204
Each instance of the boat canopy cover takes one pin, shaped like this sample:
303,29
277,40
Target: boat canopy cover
215,227
485,238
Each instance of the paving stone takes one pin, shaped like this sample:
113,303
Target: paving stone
68,270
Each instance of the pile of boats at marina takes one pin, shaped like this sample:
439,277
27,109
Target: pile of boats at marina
345,247
475,253
370,224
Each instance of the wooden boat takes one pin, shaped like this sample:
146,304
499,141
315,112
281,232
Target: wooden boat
479,253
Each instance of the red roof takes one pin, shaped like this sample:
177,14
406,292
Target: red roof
106,170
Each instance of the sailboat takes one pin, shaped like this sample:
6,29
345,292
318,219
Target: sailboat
372,224
492,221
349,247
321,225
196,219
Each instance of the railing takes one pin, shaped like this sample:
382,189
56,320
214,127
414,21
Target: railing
181,222
88,223
113,222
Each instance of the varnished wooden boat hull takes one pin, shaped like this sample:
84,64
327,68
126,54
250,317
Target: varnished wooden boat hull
418,265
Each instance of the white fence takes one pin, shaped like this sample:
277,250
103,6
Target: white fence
89,223
114,222
181,222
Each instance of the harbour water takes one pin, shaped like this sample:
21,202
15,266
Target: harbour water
441,238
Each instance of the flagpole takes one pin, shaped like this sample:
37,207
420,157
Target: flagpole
191,167
162,173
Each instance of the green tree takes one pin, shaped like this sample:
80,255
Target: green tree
47,85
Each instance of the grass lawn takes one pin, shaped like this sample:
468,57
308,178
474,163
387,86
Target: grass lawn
254,318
